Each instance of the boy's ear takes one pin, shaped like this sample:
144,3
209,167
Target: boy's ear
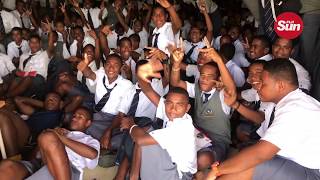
188,108
266,50
292,51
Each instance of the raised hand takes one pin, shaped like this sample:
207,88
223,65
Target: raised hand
202,7
177,56
211,53
75,3
63,7
149,70
27,12
156,53
230,97
102,6
246,45
83,64
106,29
48,25
164,3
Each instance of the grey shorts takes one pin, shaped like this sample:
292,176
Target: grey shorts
219,149
43,173
279,168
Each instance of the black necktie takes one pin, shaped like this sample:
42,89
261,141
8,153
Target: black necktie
102,102
20,50
269,21
272,117
155,42
134,103
206,97
83,80
2,30
22,24
90,19
79,52
118,40
27,60
189,53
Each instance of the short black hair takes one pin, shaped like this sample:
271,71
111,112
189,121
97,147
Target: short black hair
263,62
124,39
89,45
54,93
227,51
135,37
264,41
18,29
114,56
290,41
215,65
179,90
89,112
282,69
35,36
79,28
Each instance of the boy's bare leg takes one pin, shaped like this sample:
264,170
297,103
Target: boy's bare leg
14,131
11,170
54,154
136,163
123,169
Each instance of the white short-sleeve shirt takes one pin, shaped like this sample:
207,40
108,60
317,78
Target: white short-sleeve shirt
94,13
178,138
13,49
236,73
303,75
116,95
145,107
39,62
195,53
165,37
295,129
77,160
9,21
6,66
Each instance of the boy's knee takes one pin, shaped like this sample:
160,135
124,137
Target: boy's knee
47,139
7,164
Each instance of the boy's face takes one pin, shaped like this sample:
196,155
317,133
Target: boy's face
78,35
207,76
20,7
269,88
202,59
137,26
282,48
257,49
25,35
254,76
176,105
125,49
234,33
80,120
195,35
52,102
34,44
90,53
135,44
158,17
225,40
112,68
17,36
59,27
87,4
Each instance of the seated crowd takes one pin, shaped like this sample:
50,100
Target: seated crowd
154,88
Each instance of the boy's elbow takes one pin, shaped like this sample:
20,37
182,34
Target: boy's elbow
93,154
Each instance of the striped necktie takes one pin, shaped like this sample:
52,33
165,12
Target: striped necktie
189,53
269,21
155,42
20,50
205,96
2,29
272,117
102,102
90,19
25,62
134,103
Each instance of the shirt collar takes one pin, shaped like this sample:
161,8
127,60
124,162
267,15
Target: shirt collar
113,83
38,52
266,57
288,96
161,29
212,91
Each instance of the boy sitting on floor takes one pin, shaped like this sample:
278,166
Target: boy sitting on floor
64,152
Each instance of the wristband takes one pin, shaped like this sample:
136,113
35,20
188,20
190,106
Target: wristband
132,128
